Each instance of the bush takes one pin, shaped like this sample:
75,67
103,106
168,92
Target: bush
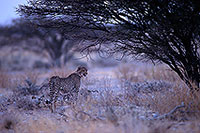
29,89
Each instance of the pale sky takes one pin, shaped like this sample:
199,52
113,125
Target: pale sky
7,10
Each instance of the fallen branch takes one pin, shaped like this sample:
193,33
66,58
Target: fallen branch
169,113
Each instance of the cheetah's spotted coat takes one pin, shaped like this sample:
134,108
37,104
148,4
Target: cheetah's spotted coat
67,87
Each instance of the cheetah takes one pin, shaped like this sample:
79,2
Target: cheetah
68,87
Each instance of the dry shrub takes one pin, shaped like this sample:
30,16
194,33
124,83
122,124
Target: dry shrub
164,102
11,81
136,73
93,105
15,79
135,92
31,76
19,79
192,102
25,103
109,98
163,72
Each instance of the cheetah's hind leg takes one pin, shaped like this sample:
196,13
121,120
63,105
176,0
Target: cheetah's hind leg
52,104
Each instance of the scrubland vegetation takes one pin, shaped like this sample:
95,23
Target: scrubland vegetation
128,97
52,37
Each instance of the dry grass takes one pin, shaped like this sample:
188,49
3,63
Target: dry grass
137,73
162,72
38,121
12,81
161,101
127,72
192,102
32,76
4,79
107,111
164,101
20,78
61,72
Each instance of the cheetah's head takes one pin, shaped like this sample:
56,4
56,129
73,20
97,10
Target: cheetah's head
82,71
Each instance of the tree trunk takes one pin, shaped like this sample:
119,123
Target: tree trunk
56,62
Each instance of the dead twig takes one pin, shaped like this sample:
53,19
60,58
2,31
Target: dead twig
169,113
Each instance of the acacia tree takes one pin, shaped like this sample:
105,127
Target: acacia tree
167,31
50,40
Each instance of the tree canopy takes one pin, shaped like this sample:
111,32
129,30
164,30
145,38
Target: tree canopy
167,31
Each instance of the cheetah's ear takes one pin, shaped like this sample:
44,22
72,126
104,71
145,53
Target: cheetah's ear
79,68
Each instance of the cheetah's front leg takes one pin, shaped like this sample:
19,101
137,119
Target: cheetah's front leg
53,103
